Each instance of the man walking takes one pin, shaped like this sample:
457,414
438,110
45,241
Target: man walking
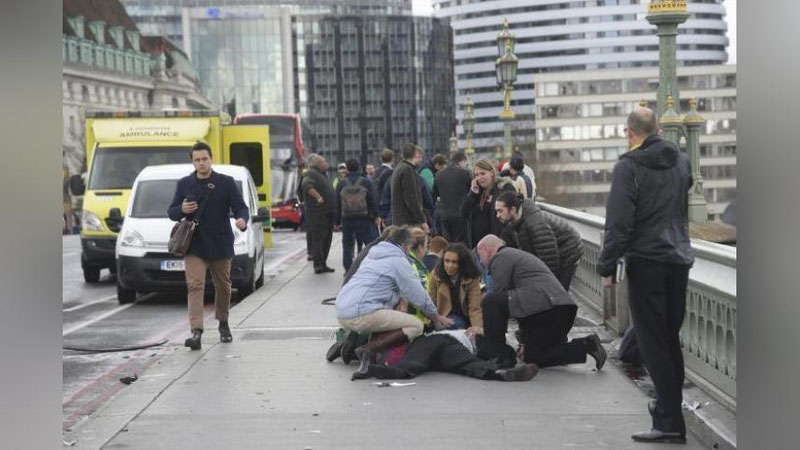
450,187
212,243
406,195
318,194
355,209
647,223
524,288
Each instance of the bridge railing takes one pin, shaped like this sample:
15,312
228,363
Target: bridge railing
708,336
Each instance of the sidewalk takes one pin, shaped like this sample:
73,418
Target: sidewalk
272,388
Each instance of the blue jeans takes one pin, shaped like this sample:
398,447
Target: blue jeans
362,230
459,323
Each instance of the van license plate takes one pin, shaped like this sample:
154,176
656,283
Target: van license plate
173,265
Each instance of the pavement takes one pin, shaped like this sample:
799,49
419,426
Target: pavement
272,388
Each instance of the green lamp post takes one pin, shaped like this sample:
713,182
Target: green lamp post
506,68
469,127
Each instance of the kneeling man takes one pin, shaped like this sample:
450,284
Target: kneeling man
526,289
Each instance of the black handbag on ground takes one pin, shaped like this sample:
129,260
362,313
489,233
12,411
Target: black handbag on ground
180,238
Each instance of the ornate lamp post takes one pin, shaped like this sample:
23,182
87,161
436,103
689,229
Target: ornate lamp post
666,15
453,144
469,127
506,67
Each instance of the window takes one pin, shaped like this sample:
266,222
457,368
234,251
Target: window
249,155
153,198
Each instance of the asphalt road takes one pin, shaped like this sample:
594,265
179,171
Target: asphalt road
94,319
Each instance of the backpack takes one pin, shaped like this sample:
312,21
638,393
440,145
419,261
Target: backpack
354,199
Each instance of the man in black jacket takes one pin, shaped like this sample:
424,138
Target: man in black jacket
355,209
647,223
450,186
545,235
318,193
212,243
406,196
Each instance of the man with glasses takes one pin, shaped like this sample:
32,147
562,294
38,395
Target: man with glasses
647,223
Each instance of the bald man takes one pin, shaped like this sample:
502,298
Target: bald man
526,289
647,223
318,194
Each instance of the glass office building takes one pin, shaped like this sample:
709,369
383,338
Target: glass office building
365,83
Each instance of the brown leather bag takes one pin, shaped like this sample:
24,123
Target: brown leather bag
180,238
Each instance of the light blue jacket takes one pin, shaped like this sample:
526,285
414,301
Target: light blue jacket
382,278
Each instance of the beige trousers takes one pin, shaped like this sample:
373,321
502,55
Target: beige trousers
384,320
196,284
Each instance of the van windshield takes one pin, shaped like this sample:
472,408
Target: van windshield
153,197
117,167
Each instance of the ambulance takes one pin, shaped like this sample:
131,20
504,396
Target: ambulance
120,144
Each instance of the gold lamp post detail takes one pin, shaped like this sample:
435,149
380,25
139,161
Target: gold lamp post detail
506,68
469,126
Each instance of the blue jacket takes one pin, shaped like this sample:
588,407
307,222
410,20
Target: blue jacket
383,276
213,239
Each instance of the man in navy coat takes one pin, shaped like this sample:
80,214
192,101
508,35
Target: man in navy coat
212,243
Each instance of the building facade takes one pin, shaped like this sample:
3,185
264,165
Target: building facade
367,83
559,36
580,130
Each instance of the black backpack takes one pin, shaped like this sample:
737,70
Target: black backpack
354,199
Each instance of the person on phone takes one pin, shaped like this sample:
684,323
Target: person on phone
212,243
407,208
647,223
478,206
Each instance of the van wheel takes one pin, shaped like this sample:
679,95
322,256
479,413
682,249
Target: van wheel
91,274
260,279
125,296
247,288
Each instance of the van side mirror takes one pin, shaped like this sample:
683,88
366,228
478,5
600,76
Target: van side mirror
114,220
76,185
262,216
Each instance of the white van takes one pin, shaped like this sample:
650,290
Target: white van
143,262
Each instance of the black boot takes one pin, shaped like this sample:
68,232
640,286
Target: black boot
523,372
194,341
225,332
349,347
595,349
366,353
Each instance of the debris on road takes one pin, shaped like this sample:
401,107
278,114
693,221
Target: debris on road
693,406
129,380
69,443
392,384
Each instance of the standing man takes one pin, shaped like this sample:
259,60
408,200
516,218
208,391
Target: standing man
370,170
647,223
341,171
355,209
526,289
450,187
212,243
318,194
406,196
384,172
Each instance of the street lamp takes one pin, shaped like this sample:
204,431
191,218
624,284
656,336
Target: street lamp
506,68
453,145
469,126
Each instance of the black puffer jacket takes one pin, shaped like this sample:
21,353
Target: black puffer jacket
535,236
482,219
570,243
647,210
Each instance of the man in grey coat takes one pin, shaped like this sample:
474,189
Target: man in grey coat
526,289
406,195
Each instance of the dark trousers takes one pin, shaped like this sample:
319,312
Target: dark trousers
454,229
566,274
319,233
544,334
658,304
436,352
362,231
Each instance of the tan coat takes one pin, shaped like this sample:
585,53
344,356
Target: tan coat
470,298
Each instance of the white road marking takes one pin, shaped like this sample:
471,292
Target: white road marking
97,319
84,305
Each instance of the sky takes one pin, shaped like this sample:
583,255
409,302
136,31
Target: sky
425,8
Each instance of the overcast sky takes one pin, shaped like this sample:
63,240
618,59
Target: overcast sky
425,8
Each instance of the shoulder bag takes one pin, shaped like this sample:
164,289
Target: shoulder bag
180,238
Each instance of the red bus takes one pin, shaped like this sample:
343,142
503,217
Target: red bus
290,140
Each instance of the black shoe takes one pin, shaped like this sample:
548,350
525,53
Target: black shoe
659,436
225,332
194,341
595,348
327,269
523,372
349,348
335,351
